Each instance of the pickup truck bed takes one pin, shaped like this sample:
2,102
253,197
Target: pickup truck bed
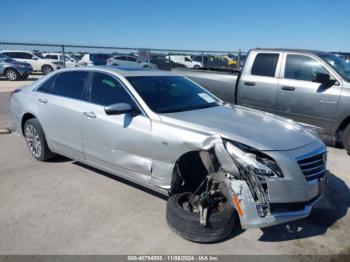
222,84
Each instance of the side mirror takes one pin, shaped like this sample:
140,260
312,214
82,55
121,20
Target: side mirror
119,108
35,58
322,78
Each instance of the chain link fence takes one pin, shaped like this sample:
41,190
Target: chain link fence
23,63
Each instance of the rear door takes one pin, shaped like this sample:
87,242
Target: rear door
61,104
302,99
259,81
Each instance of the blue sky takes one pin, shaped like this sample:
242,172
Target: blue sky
180,24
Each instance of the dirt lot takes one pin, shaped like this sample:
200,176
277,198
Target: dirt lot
64,207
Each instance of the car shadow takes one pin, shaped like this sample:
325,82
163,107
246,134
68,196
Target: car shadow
58,159
332,207
121,180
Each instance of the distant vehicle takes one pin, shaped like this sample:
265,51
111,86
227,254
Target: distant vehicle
230,60
310,87
210,61
94,59
128,61
185,60
14,70
69,61
36,60
165,63
345,56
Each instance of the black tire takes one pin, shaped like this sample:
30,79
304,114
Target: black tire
11,74
196,67
186,224
46,69
346,139
45,153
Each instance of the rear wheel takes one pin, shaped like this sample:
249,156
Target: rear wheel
12,74
46,69
36,140
346,139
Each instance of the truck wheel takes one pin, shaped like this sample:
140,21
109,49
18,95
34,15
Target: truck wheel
346,139
12,74
36,140
186,223
46,69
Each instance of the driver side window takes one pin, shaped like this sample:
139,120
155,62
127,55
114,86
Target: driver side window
106,90
300,67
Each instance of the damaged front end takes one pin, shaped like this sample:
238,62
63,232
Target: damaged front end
242,180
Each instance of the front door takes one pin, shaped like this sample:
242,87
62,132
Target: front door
302,99
120,143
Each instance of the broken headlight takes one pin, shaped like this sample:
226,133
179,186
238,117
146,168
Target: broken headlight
254,160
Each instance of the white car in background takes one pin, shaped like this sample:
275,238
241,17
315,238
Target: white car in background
129,61
69,61
185,60
36,60
94,59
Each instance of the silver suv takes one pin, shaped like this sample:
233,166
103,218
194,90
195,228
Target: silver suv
167,133
14,70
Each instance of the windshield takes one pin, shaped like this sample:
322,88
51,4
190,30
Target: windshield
168,94
338,64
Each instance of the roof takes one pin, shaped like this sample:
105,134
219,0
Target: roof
124,71
302,51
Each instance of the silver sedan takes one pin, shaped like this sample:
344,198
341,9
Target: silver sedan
169,134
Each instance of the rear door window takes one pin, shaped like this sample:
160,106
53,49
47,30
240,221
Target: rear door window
70,84
265,64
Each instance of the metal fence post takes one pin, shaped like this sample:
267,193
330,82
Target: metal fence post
203,59
239,58
64,57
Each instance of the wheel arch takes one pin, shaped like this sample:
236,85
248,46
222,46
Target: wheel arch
342,127
191,168
25,118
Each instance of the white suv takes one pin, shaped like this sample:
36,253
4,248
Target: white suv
129,61
36,60
69,61
185,60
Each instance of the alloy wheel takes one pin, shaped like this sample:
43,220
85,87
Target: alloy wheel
33,140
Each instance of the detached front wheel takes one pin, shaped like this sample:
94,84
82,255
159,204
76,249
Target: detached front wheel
186,223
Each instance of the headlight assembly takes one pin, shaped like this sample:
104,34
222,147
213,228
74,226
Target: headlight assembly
251,159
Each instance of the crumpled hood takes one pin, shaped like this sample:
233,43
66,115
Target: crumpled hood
254,128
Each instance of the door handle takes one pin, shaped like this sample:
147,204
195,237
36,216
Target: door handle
288,88
42,100
90,114
249,83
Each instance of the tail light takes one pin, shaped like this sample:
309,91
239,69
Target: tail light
15,91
